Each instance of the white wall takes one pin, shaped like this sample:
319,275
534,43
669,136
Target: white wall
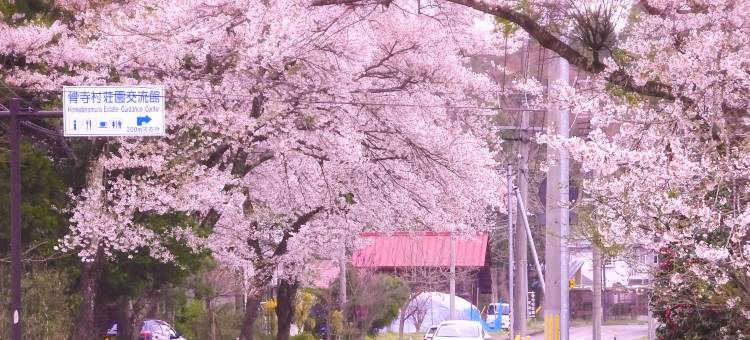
617,271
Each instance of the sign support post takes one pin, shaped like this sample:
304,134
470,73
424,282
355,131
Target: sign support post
16,273
88,111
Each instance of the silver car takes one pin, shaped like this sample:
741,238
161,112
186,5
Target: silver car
460,330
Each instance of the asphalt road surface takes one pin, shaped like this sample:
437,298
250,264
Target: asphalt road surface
610,332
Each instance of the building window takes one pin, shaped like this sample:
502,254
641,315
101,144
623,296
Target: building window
609,262
638,282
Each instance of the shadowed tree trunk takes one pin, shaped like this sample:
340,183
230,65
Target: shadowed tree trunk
125,319
211,318
502,281
285,308
495,296
91,273
402,322
251,313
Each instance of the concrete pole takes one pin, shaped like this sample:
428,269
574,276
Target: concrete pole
521,283
511,260
564,185
597,293
521,240
452,313
556,303
532,246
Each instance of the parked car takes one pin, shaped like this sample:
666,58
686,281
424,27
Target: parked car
151,330
430,333
460,330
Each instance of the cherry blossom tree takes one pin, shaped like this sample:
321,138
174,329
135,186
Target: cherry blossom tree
668,155
289,125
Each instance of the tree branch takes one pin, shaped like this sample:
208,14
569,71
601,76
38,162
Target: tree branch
551,42
540,33
294,228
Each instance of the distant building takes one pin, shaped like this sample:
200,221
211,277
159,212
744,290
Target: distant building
406,252
626,283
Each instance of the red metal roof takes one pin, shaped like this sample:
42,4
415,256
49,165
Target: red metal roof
419,250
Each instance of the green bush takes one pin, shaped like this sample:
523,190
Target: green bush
303,336
48,305
192,321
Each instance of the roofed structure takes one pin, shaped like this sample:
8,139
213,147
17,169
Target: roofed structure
427,249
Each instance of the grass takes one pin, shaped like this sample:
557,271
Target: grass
394,336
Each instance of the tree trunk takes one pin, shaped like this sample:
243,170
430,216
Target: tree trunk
285,308
211,318
239,305
502,282
596,287
144,308
418,321
91,272
251,313
125,329
493,279
401,322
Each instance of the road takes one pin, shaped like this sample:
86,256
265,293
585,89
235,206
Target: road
610,332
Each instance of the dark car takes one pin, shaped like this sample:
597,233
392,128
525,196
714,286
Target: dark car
151,330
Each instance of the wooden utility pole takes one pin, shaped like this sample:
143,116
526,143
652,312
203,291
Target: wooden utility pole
15,116
14,140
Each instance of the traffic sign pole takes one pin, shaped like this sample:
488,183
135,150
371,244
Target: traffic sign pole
16,273
15,221
92,111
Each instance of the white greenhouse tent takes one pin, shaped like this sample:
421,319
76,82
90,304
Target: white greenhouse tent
436,305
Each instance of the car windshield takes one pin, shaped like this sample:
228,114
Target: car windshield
431,330
456,331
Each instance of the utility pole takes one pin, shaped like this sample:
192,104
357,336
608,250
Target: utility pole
557,257
15,115
530,236
452,313
14,139
597,293
521,290
511,260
